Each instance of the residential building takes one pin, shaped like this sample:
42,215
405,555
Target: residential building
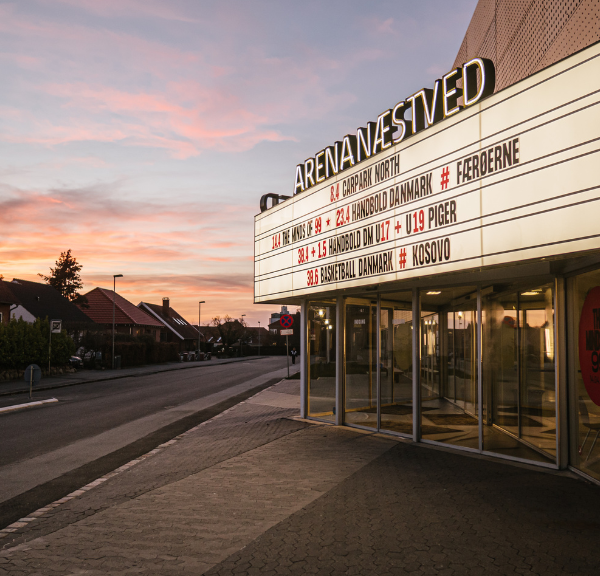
8,302
128,318
175,327
39,300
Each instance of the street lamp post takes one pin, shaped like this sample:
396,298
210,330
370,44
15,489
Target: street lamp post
199,316
240,338
115,276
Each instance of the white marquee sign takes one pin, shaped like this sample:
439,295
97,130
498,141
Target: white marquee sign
513,177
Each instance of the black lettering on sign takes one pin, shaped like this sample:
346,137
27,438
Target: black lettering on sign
337,272
369,206
376,264
488,161
434,252
344,243
442,214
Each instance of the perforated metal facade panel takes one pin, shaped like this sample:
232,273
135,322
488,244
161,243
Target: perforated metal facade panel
524,36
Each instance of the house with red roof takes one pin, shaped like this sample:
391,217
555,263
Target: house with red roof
129,319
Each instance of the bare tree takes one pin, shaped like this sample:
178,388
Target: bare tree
230,330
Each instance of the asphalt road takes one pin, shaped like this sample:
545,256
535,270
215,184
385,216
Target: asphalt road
94,428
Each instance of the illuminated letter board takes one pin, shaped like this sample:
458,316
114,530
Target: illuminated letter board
513,177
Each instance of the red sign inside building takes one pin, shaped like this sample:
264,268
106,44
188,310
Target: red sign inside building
589,344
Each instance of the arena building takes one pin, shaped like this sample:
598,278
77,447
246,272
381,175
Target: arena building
446,256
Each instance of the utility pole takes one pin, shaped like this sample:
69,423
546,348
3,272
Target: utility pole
49,346
241,354
199,317
287,353
115,276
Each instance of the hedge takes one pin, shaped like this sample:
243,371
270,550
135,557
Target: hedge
142,352
22,344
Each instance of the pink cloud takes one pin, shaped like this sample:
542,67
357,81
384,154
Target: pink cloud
205,97
158,239
114,8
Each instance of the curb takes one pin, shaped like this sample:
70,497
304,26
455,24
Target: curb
27,405
120,376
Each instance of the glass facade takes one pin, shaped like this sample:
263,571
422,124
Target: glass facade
487,366
395,364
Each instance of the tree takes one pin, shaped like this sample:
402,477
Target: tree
66,279
230,330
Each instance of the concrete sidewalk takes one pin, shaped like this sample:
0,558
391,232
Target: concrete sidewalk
257,491
13,387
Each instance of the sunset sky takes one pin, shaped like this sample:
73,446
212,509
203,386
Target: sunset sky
141,134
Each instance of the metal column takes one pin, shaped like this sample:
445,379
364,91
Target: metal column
378,360
560,357
480,367
416,364
340,358
304,359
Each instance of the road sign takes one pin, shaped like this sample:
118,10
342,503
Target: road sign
286,321
33,374
37,373
288,332
55,326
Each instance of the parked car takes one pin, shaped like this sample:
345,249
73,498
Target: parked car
75,362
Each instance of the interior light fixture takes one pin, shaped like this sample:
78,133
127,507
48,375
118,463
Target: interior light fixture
434,292
530,293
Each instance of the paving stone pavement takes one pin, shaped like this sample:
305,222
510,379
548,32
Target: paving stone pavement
254,491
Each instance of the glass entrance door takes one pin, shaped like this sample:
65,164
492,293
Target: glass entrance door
361,367
519,373
321,365
449,398
395,363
